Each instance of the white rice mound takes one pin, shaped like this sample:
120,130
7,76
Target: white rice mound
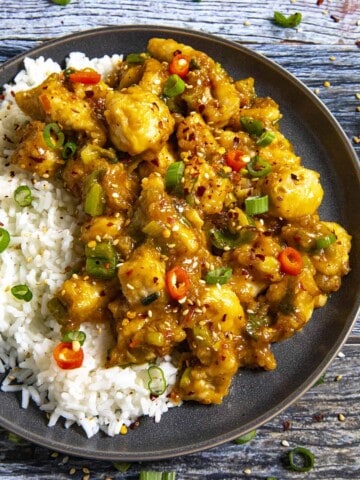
43,244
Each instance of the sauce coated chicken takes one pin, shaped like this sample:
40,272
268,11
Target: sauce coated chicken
200,230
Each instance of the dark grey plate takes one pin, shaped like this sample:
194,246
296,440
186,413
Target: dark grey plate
255,397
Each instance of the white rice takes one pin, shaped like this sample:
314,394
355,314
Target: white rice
43,243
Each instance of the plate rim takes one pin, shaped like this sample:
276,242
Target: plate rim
330,355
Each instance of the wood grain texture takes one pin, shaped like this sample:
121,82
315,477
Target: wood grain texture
323,48
313,422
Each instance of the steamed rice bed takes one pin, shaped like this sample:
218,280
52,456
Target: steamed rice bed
43,243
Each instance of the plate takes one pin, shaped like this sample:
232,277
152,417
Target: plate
255,396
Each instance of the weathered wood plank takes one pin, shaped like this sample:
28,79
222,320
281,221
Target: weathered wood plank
313,421
240,20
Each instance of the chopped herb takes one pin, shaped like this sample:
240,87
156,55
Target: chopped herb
218,275
157,382
22,292
291,21
300,459
4,239
245,438
22,196
61,2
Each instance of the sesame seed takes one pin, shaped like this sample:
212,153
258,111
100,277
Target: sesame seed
86,477
130,287
332,58
65,460
123,430
341,355
341,417
247,23
327,84
85,470
247,471
358,109
285,443
317,91
72,471
338,378
357,95
54,455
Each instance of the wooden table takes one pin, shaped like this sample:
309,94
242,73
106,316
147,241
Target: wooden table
324,48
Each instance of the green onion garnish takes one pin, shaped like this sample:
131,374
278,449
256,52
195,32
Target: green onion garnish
157,382
256,205
219,275
245,438
4,239
61,2
22,292
300,459
150,298
225,240
325,242
252,126
173,177
174,86
136,57
101,260
121,466
258,168
53,135
94,203
22,196
265,139
151,475
75,336
69,150
291,21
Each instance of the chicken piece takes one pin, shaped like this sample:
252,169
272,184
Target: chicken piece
212,92
86,299
194,136
293,191
264,109
143,274
52,100
139,121
213,340
154,76
121,188
158,218
34,155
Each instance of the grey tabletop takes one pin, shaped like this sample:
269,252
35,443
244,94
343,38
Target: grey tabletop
323,52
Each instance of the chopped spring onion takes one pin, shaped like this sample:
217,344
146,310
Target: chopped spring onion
53,135
69,150
136,57
75,336
258,168
22,292
300,459
252,126
4,239
245,438
173,177
150,298
101,260
174,86
22,196
56,309
265,139
291,21
325,242
218,275
61,2
225,240
94,203
256,205
121,466
157,382
151,475
94,152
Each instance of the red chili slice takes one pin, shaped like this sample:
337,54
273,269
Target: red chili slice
87,77
178,283
179,65
234,159
290,261
66,357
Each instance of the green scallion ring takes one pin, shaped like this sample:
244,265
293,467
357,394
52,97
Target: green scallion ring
300,459
75,336
53,131
252,126
69,150
325,242
256,205
219,275
265,139
61,2
136,57
174,86
150,298
22,292
157,382
245,438
22,196
174,175
258,168
4,239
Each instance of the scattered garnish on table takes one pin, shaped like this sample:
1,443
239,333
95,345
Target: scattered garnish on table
291,21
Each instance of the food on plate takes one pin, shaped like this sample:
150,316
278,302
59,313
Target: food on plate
197,241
